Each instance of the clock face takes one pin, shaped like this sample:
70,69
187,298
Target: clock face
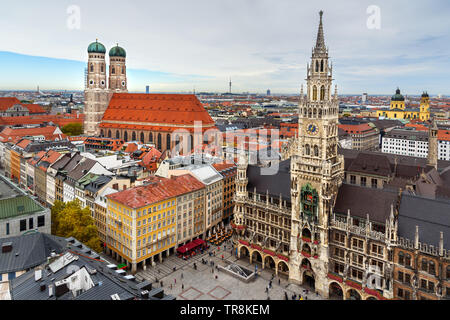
312,129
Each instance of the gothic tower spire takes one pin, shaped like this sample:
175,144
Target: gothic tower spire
320,43
317,169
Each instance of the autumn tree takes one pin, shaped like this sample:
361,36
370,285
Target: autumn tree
72,129
70,220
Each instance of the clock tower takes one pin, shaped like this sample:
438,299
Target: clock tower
317,172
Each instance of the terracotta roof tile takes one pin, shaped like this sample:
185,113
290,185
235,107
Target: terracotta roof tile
176,109
160,189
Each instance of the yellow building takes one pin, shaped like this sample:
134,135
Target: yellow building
399,111
142,221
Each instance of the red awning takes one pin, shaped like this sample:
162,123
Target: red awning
187,247
199,242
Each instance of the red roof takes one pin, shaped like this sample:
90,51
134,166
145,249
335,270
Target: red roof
156,109
14,134
444,135
223,166
23,143
8,102
355,128
158,190
34,108
60,120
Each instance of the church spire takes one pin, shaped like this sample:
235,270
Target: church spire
320,44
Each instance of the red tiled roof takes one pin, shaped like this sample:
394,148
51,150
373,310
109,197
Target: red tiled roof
355,128
13,134
23,143
34,108
131,147
172,109
8,102
223,166
159,190
60,120
444,135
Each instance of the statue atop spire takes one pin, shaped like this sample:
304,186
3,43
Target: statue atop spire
320,44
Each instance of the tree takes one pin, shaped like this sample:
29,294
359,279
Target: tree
73,129
70,220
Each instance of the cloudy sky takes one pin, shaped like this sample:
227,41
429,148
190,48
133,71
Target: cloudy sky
176,45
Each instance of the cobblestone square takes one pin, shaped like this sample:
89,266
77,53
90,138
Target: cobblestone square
207,283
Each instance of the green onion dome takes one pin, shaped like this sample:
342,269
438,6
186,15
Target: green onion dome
96,47
117,52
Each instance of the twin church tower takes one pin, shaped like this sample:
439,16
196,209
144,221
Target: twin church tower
99,88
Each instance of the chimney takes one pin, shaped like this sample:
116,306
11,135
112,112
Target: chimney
7,247
416,238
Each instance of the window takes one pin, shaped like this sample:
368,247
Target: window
353,179
30,223
7,228
358,244
363,181
23,225
41,221
374,183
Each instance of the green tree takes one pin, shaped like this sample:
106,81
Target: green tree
70,220
73,129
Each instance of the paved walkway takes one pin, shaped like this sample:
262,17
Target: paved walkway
201,284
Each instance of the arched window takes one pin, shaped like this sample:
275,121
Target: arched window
307,150
109,134
322,93
168,142
133,136
317,66
101,133
177,143
123,70
159,142
125,136
316,151
191,142
117,134
150,137
92,67
424,265
113,71
314,93
321,66
142,137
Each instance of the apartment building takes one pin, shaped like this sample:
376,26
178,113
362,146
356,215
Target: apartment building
142,221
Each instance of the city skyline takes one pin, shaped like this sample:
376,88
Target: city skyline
260,45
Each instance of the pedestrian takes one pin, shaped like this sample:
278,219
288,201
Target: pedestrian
182,286
306,297
170,286
181,276
285,296
222,257
161,283
279,282
217,277
175,280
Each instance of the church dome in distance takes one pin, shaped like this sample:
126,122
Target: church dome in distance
117,52
398,96
425,95
96,47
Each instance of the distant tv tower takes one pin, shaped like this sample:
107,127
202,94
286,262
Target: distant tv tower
231,84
